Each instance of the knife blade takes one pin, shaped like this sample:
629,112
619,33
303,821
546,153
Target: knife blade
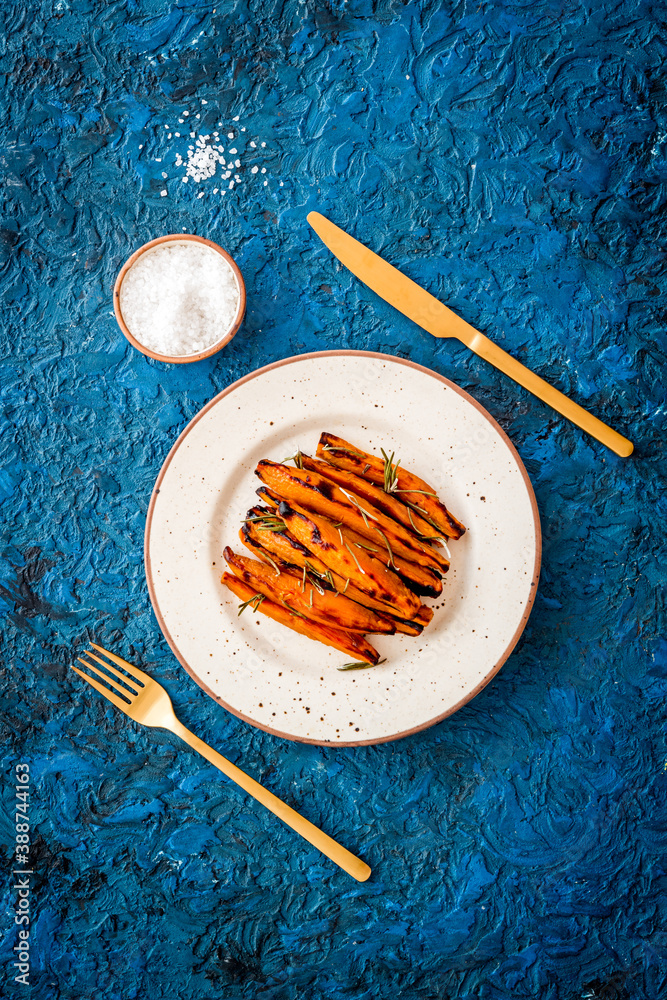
432,315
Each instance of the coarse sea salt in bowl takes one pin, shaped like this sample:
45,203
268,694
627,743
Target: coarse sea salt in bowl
179,298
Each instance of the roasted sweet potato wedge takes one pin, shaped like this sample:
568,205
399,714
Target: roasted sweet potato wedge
328,578
411,489
305,596
367,573
320,495
350,643
363,489
423,580
280,546
424,616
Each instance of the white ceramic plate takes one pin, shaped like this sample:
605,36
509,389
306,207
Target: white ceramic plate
285,683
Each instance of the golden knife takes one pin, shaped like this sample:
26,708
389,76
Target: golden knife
421,307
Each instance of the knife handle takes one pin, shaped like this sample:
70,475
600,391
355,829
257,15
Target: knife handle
500,359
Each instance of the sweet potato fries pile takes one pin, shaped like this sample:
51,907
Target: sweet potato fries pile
347,544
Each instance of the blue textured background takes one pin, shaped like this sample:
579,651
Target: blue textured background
511,157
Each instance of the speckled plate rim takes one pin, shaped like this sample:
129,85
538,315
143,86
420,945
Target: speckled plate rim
531,592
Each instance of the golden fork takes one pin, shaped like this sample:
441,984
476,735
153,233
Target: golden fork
145,701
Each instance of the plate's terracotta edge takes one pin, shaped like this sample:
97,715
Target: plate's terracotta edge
533,586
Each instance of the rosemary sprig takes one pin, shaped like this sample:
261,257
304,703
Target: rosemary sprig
347,584
355,558
345,451
294,611
357,505
267,522
297,459
360,665
391,554
311,597
366,468
254,602
424,538
428,493
268,558
390,471
369,548
314,582
419,510
303,582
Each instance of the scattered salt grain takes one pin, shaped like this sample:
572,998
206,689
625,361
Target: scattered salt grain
236,118
180,298
185,114
163,194
230,135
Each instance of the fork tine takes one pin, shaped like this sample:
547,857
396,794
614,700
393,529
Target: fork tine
122,677
130,695
130,667
109,695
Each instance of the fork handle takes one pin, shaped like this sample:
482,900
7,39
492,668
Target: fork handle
323,842
500,359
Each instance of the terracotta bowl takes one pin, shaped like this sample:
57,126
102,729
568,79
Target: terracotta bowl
180,359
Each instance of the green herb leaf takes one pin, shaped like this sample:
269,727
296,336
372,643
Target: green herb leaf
390,471
297,459
355,558
360,665
294,611
253,601
267,522
427,493
268,558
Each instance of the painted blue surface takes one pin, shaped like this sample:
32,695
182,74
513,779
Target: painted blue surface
511,157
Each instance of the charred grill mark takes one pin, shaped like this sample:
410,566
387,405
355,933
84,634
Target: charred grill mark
321,543
419,588
266,494
326,490
297,546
